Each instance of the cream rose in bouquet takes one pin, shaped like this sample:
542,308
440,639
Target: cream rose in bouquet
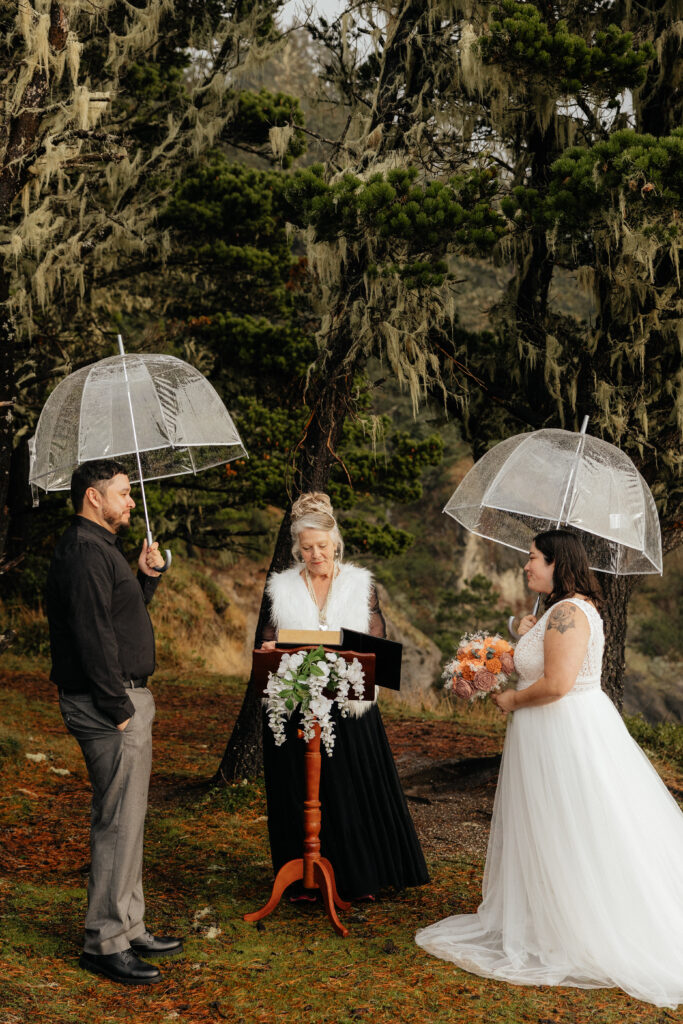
481,665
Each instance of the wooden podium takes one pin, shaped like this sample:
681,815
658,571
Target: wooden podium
315,871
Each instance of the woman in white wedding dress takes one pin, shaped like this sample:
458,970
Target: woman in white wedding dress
583,883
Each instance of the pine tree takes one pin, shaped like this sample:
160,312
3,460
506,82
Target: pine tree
377,283
101,109
573,108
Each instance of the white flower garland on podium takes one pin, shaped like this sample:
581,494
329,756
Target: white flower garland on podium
300,680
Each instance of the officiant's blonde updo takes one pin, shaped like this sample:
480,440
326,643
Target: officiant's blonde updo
313,511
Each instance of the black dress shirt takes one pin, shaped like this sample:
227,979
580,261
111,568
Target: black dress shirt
100,631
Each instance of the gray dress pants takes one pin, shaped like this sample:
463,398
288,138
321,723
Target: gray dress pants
119,765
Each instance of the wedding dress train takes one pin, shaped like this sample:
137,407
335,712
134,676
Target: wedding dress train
583,883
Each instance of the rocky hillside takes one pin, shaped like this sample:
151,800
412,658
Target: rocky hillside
206,614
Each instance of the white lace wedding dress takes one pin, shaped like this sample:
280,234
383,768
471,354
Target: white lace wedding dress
583,882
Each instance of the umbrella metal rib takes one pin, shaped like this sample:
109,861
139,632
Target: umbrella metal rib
572,475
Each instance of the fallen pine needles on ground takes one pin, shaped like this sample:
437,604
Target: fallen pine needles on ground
207,863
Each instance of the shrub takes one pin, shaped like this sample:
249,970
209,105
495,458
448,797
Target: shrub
664,738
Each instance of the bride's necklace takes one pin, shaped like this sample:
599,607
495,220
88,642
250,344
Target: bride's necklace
322,612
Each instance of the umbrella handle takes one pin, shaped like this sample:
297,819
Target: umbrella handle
169,557
167,562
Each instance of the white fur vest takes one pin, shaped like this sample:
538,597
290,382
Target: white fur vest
292,606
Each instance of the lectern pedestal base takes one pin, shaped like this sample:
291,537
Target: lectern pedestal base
323,879
315,871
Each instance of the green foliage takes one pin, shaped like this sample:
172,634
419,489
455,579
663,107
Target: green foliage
427,217
298,691
656,619
246,310
25,584
232,797
391,473
665,738
235,291
116,129
254,347
33,637
379,539
475,607
258,112
123,100
520,40
642,172
658,636
215,594
228,214
272,431
10,748
632,176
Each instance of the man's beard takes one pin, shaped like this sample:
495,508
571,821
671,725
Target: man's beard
114,521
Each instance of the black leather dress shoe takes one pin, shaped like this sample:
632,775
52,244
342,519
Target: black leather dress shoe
124,967
156,945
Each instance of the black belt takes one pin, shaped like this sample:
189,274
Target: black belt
133,684
128,684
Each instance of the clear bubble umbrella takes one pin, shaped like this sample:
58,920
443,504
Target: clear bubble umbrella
557,478
155,414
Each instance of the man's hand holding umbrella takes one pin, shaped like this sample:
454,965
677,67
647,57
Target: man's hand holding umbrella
150,559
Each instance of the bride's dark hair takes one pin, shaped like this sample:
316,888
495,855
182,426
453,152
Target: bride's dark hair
571,574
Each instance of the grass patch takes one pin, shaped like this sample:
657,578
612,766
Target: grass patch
478,718
11,749
664,738
236,796
207,863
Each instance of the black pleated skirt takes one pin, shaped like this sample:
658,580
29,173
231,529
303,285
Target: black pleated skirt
367,832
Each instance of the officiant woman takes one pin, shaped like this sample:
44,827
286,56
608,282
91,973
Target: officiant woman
367,832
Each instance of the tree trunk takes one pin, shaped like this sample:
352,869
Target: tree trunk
617,592
243,755
7,399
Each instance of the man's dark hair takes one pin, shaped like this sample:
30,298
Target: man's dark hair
92,474
571,574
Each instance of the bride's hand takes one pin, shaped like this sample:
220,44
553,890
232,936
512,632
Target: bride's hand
505,701
268,645
527,623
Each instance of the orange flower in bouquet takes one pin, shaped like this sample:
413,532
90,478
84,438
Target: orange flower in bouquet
481,665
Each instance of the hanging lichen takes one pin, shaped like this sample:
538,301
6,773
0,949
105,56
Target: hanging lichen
59,212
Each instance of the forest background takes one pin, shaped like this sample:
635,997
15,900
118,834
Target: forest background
390,238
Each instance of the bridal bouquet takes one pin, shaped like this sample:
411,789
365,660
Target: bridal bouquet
481,665
301,679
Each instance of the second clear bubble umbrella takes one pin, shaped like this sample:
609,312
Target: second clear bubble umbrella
556,478
155,414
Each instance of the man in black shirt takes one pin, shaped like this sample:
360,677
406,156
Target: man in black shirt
102,645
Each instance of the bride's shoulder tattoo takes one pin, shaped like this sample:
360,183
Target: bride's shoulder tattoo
562,618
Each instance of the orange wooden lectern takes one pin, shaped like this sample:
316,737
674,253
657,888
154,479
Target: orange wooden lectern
315,871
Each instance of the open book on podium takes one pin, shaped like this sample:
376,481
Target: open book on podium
381,659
